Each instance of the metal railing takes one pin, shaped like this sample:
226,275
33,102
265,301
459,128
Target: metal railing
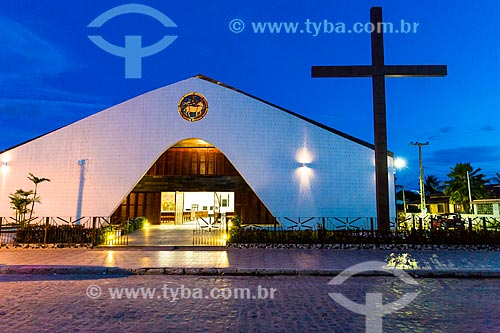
467,222
116,233
210,231
468,230
328,223
54,230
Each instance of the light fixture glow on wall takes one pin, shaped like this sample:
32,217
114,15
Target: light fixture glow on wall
303,156
4,167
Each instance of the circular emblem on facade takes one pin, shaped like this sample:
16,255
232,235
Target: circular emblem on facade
193,106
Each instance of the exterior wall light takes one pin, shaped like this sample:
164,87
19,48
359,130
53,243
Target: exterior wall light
304,156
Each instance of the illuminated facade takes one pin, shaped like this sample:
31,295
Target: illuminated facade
292,166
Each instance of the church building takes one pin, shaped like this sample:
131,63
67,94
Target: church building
197,147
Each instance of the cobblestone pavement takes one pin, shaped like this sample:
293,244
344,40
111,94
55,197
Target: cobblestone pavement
443,260
52,303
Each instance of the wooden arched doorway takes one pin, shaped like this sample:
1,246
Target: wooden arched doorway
192,165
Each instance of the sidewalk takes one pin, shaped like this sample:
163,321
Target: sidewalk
221,261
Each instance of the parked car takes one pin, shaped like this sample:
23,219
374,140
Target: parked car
450,221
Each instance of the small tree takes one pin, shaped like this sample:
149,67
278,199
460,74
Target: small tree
20,201
36,180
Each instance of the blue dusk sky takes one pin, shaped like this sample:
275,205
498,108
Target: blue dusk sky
51,74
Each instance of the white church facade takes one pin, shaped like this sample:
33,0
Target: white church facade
263,163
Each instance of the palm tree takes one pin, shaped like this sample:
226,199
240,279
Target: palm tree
457,186
496,179
20,201
432,185
36,180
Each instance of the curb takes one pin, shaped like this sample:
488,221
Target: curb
63,270
116,271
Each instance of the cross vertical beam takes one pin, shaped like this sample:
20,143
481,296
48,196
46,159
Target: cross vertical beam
379,121
378,71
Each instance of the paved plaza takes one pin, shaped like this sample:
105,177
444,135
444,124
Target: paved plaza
164,234
61,303
147,251
458,262
126,289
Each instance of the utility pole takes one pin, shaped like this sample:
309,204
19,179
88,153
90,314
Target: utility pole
471,207
422,189
404,200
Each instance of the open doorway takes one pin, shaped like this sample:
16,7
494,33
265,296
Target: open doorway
192,184
180,208
189,218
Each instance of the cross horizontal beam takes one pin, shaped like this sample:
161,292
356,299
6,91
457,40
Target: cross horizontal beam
387,70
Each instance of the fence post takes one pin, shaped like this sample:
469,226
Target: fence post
484,223
47,219
274,232
323,232
421,226
470,224
94,231
414,223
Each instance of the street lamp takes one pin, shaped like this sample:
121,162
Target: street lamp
399,163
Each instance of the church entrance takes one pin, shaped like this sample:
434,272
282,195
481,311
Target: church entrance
180,208
189,195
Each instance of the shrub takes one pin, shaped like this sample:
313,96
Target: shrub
52,234
320,236
135,224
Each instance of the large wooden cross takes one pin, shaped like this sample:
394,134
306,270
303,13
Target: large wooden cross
378,71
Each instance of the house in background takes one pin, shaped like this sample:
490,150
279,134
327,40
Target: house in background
487,207
436,204
494,189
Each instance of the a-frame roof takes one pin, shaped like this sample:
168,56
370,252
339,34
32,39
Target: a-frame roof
206,78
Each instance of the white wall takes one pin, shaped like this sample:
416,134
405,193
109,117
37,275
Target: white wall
265,144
